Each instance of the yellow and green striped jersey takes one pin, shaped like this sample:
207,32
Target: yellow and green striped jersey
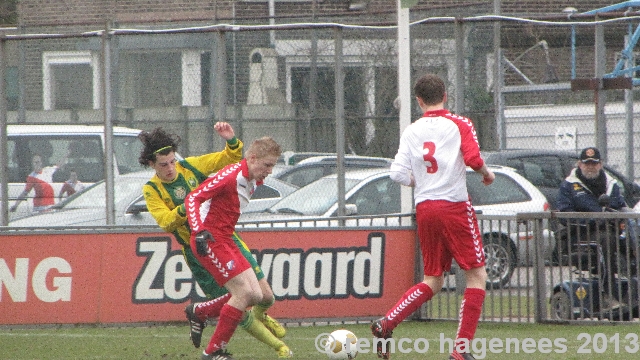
165,201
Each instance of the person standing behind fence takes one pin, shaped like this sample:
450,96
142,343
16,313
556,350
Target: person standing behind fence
39,180
213,210
71,186
165,194
432,157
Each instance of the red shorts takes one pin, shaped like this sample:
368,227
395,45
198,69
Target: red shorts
448,230
225,260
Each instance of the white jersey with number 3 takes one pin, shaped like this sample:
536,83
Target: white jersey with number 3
436,149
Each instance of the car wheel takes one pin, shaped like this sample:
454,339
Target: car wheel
561,306
500,260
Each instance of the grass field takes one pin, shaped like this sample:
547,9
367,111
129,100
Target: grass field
172,342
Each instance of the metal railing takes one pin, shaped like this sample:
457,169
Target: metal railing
546,267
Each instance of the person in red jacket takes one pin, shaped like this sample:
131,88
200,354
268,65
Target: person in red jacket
71,186
213,209
39,180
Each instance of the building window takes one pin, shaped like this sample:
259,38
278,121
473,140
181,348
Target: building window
71,79
72,86
159,80
163,79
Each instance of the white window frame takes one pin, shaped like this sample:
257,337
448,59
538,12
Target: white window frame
191,78
51,58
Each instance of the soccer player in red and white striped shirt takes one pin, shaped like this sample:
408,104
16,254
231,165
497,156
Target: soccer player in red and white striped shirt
432,157
213,208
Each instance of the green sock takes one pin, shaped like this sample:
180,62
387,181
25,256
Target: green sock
260,309
259,331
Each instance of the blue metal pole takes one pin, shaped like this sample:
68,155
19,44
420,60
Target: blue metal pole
614,7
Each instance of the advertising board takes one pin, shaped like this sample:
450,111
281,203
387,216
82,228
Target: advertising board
69,278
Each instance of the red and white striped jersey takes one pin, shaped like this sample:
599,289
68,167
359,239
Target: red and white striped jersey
216,204
41,183
436,149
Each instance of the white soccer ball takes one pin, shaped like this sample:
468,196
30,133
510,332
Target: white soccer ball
341,344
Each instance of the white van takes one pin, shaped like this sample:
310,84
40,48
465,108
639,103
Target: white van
68,147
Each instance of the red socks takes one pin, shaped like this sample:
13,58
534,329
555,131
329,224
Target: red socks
230,317
470,311
211,309
410,302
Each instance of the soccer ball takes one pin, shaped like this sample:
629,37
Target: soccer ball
341,344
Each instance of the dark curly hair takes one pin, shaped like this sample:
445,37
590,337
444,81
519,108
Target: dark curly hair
156,142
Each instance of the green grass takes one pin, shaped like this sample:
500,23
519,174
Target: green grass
172,342
445,306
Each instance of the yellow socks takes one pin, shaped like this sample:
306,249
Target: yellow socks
259,310
260,332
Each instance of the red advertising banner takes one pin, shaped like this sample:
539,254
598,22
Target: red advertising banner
142,277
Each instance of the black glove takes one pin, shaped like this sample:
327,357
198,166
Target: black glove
202,239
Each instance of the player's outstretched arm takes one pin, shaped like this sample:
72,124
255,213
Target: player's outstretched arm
225,130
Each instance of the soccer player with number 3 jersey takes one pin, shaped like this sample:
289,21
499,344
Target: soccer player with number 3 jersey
432,157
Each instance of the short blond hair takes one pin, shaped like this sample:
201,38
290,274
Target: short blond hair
265,146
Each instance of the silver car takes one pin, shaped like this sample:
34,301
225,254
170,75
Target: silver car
313,168
507,243
88,207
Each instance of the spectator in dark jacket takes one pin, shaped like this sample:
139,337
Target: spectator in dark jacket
580,191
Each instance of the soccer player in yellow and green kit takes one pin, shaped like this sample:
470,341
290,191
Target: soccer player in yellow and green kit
165,193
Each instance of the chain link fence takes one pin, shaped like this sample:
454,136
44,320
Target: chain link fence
289,82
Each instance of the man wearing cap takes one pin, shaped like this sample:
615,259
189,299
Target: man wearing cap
580,191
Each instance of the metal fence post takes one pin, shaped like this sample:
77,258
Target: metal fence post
216,81
308,142
108,126
22,110
221,76
498,79
600,97
4,170
404,91
460,64
539,279
628,128
339,111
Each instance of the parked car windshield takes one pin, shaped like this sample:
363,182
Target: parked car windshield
94,197
127,150
313,199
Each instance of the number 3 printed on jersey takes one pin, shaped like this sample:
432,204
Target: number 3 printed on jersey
428,151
